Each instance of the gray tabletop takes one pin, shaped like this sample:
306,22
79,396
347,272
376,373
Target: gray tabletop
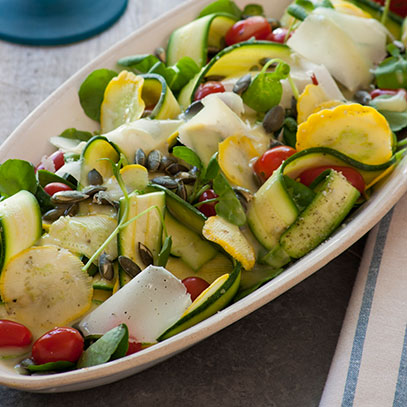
277,356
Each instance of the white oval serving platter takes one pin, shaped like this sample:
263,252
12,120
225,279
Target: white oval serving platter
62,110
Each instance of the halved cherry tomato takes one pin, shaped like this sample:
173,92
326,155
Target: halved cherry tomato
352,175
57,158
194,286
134,347
271,160
208,209
278,35
54,187
205,89
58,344
255,26
396,6
14,334
388,92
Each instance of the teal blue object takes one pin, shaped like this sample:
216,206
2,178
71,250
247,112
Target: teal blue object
55,22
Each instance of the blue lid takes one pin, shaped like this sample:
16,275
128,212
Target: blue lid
54,22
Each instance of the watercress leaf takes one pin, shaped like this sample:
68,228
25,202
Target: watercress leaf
264,92
105,347
75,134
253,10
325,3
306,4
46,177
184,70
139,63
92,91
300,194
228,206
393,50
392,73
16,175
290,131
188,155
397,120
212,169
164,252
298,12
44,200
222,6
59,366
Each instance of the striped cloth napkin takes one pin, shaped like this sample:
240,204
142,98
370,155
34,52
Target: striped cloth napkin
369,368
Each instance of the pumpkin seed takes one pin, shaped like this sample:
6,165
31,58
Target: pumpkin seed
72,210
66,197
129,266
105,265
182,191
104,198
93,189
215,78
166,161
274,119
363,97
166,182
154,160
160,54
175,168
145,254
242,84
54,214
193,109
140,157
185,177
95,177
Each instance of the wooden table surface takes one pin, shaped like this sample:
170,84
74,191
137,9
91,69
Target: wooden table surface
277,356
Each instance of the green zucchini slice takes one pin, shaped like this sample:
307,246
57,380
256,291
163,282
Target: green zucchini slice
20,225
193,39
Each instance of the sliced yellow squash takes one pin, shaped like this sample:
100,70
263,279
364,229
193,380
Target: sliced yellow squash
43,287
122,101
360,132
229,236
312,100
135,177
350,9
235,154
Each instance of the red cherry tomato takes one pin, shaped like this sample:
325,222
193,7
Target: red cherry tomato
396,6
389,92
271,160
278,35
58,344
194,286
255,26
134,347
57,158
205,89
54,187
208,209
353,176
14,334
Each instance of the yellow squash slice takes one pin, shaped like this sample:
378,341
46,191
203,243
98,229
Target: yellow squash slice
360,132
229,236
235,154
43,287
312,100
350,9
122,101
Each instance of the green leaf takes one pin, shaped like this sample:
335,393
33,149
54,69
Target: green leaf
397,120
290,131
44,200
92,91
306,4
188,155
326,4
46,177
184,70
222,6
75,134
164,252
300,194
253,10
17,175
60,366
298,12
212,170
112,345
139,63
228,206
392,73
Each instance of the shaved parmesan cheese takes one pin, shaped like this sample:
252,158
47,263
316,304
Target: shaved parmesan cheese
149,304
